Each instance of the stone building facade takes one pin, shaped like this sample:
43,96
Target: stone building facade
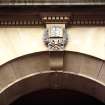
51,45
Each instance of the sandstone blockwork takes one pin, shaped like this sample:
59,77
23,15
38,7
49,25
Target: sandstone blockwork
32,72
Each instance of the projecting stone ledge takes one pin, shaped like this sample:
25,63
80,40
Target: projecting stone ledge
52,2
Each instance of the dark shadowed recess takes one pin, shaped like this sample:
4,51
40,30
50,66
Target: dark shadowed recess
53,97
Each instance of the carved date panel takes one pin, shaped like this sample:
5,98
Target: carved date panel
55,37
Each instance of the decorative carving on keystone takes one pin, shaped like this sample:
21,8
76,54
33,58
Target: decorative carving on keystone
55,37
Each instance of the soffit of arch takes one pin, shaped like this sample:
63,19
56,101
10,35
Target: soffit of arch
90,69
77,74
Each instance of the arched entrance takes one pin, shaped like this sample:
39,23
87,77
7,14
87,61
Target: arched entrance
64,71
29,74
56,96
38,82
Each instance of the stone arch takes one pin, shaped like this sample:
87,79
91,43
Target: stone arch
31,73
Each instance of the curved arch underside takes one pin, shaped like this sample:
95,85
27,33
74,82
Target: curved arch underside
56,96
32,73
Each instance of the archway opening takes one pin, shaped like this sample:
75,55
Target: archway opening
59,96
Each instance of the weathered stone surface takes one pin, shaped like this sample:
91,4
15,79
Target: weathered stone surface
32,73
49,2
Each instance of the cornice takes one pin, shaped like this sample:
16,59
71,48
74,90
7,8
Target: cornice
40,16
52,2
